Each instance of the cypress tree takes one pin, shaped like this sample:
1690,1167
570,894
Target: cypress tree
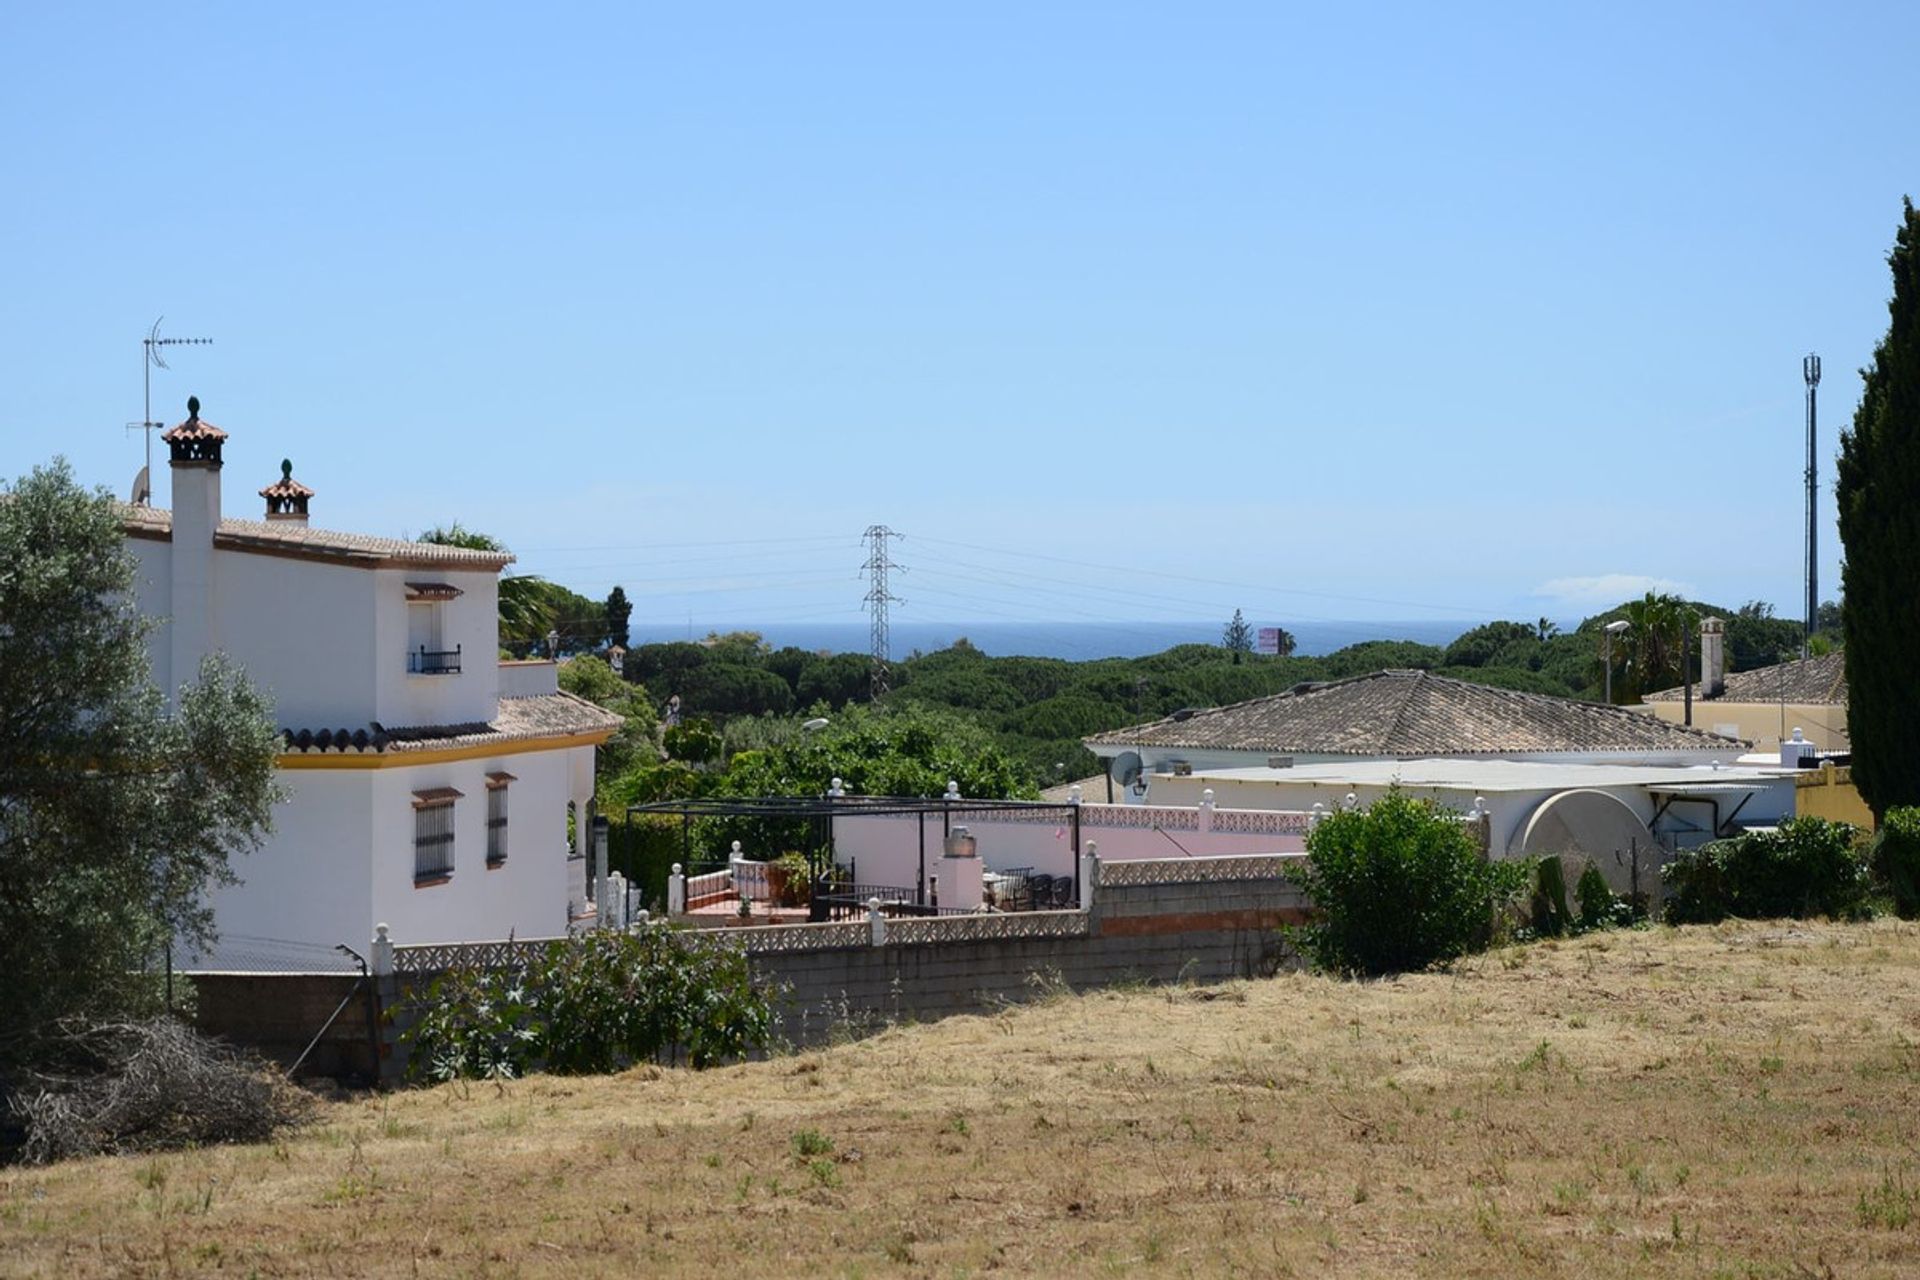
1878,491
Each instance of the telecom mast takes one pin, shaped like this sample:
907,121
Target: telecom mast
1810,370
878,597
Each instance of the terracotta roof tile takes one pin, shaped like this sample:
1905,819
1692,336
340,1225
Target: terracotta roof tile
1413,714
548,715
286,487
359,548
193,429
1819,681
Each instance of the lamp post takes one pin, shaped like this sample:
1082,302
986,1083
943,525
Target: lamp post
1613,629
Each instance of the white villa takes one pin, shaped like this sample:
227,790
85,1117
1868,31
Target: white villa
429,783
1396,715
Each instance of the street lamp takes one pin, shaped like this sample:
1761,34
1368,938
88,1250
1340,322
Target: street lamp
1613,629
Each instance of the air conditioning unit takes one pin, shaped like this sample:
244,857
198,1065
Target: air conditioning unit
1279,762
1181,769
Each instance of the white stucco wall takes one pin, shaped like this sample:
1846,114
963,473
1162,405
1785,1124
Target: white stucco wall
304,633
526,896
1508,810
153,596
309,885
329,641
471,622
1166,787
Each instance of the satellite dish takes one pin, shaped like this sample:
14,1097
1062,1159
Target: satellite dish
142,489
1125,768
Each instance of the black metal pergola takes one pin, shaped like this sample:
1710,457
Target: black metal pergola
820,811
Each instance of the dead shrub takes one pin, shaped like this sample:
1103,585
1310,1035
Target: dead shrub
150,1086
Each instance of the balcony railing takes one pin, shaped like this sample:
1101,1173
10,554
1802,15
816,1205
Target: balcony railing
430,662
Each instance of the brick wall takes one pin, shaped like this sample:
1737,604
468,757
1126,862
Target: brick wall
277,1014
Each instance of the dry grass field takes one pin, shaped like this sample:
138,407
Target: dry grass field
1740,1101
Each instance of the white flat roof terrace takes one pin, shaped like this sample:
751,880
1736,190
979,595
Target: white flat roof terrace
1482,776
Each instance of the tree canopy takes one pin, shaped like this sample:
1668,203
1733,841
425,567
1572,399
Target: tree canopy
1878,491
115,816
1237,638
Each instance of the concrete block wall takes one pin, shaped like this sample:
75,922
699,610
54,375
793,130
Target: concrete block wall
1210,932
1155,933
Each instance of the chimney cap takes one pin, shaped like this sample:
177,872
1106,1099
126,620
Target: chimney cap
286,486
193,430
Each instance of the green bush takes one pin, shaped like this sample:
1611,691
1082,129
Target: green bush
643,849
1551,914
1805,867
1399,886
1896,859
594,1003
692,741
1599,906
796,881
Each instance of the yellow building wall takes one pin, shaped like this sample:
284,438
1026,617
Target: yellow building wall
1828,792
1824,724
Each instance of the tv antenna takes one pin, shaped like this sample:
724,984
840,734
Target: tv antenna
150,359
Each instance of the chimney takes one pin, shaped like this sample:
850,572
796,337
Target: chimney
286,498
194,458
1713,657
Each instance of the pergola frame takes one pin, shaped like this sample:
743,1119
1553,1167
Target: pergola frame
823,809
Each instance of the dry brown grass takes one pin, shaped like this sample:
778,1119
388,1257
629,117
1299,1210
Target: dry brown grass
1733,1101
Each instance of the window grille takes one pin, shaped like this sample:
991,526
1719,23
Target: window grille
433,833
497,818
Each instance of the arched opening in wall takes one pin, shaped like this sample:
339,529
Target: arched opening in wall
1585,824
577,901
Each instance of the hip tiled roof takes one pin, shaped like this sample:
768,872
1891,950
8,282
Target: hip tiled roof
284,538
1413,713
1819,681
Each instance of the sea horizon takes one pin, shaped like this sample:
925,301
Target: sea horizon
1075,641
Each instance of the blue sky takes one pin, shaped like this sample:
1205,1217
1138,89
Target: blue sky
1390,312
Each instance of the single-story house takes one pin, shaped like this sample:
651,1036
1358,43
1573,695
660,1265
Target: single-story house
1396,715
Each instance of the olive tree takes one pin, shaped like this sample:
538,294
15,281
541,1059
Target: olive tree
116,814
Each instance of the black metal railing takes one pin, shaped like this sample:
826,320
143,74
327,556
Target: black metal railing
433,662
847,900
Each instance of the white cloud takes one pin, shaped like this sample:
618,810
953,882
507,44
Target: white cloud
1608,589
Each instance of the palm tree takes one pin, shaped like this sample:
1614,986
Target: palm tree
526,609
1649,651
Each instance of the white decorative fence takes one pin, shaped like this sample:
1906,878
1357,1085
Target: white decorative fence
1172,871
879,929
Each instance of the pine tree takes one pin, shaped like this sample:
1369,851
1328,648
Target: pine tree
1878,491
1238,637
619,612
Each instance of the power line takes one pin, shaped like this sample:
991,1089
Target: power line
878,597
1465,610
